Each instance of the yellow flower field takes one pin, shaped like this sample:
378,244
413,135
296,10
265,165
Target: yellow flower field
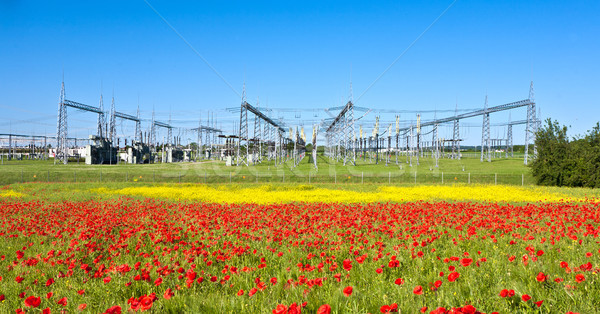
10,193
269,194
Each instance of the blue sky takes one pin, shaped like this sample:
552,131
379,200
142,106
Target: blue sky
297,56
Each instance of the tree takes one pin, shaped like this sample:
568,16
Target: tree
552,146
565,162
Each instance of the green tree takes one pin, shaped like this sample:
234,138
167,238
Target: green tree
551,163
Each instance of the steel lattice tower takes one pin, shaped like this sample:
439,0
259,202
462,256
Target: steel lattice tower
101,119
138,126
411,141
208,142
397,136
350,132
314,142
243,134
256,147
112,133
153,133
435,144
532,125
509,138
61,153
456,136
485,133
199,140
169,132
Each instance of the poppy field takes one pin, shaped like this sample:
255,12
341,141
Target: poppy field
127,254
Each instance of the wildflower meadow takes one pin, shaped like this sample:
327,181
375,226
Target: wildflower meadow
142,253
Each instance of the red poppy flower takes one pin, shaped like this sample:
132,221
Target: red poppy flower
294,309
280,309
116,309
525,298
324,309
579,278
348,291
539,303
386,309
466,262
168,294
62,301
32,301
399,281
418,290
46,311
504,293
347,264
146,302
82,306
49,282
541,277
453,276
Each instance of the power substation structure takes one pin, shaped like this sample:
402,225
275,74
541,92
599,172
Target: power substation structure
250,150
205,149
62,147
340,137
342,144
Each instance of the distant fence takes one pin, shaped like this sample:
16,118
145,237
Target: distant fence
194,176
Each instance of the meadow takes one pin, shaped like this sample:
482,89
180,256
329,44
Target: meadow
273,247
466,170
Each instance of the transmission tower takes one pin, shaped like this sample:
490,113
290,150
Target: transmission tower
101,119
532,125
485,133
112,133
138,126
153,133
397,136
456,136
61,153
169,132
243,134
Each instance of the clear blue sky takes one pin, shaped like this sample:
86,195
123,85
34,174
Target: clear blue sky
299,54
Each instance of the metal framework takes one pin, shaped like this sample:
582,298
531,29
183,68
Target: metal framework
341,133
136,119
486,142
207,145
532,125
314,145
62,153
485,134
244,149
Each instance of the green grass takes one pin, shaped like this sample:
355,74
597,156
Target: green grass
467,170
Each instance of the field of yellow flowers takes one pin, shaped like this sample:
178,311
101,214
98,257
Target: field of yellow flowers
272,194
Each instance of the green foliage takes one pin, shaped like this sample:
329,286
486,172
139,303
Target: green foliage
564,162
